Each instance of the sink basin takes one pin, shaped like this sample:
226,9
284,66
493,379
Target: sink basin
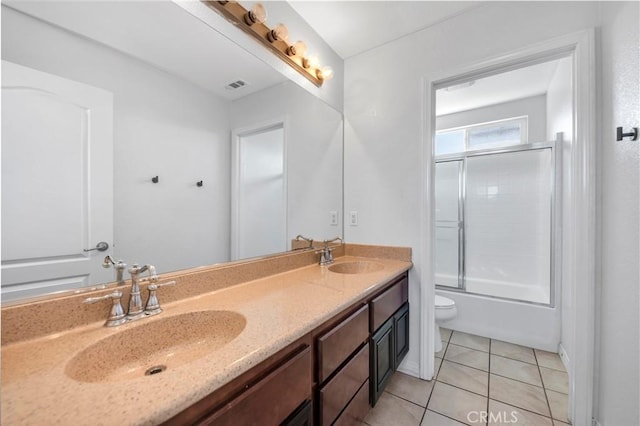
361,267
153,347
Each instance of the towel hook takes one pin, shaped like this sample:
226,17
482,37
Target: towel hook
155,179
633,134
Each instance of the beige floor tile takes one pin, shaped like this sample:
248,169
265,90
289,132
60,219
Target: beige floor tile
559,404
467,356
456,403
516,370
470,341
410,388
391,410
464,377
549,360
503,414
559,423
437,366
440,354
445,333
431,418
555,380
509,350
519,394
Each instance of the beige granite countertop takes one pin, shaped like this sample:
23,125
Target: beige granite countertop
278,309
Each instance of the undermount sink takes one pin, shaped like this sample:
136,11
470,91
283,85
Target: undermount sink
150,348
360,267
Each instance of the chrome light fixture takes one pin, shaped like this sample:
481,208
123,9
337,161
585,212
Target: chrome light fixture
253,22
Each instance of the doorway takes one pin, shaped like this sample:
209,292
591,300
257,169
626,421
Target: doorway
578,205
259,192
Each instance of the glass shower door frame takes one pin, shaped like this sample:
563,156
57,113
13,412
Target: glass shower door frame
462,157
459,224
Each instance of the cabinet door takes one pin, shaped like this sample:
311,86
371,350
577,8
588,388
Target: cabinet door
401,331
382,359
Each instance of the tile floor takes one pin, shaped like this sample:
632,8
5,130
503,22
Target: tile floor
478,381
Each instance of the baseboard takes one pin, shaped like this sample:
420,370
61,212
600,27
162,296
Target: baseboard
564,357
409,367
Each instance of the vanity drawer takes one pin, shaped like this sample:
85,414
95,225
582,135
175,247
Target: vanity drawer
385,305
272,399
342,387
334,347
357,409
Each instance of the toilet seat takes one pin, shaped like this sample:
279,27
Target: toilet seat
444,302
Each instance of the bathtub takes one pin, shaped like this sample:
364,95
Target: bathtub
527,324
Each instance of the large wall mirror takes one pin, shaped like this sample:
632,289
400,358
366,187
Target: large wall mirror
138,125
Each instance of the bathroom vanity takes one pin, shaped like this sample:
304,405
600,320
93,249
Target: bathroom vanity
269,341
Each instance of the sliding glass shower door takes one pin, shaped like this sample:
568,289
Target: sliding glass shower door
494,221
448,196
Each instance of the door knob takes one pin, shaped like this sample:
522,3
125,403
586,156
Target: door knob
101,246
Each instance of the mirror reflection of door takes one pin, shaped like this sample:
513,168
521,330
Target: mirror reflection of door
259,220
57,182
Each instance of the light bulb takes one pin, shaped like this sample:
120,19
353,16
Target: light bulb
299,48
258,13
325,73
313,61
279,32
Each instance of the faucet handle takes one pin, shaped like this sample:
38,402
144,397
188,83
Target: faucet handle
116,314
153,305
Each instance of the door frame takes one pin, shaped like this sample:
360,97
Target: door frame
236,134
581,47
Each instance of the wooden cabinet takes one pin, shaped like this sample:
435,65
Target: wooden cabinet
330,376
382,359
291,382
336,345
303,416
339,391
342,364
401,331
390,334
386,304
357,409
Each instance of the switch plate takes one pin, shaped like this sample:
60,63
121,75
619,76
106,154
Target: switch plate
353,218
333,221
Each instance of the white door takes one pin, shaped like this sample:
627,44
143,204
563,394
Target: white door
259,220
57,182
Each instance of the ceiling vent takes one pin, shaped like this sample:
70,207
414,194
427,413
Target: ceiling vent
236,85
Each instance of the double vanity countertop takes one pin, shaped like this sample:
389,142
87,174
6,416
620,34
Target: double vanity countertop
50,379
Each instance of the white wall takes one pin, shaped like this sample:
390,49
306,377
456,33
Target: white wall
617,370
534,107
162,126
383,121
313,144
560,119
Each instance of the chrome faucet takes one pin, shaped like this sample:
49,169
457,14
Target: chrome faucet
119,266
309,240
136,309
326,254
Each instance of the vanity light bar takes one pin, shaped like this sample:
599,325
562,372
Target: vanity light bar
253,23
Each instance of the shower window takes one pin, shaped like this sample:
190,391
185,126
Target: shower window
495,134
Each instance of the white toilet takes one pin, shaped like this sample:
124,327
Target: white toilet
445,311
